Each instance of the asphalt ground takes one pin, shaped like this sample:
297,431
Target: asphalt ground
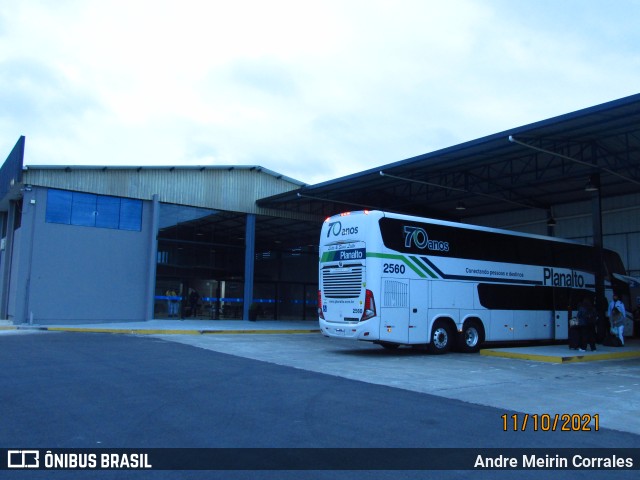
536,378
69,389
609,388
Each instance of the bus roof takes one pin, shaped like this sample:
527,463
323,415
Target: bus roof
380,214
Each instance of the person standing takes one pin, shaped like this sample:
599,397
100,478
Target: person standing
636,318
617,314
172,302
587,317
194,298
574,329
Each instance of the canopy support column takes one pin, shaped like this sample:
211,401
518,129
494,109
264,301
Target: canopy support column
249,263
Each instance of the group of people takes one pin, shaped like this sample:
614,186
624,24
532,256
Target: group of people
583,322
173,303
582,326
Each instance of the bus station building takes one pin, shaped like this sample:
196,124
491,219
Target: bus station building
84,244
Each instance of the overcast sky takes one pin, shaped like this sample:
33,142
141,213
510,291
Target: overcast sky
311,89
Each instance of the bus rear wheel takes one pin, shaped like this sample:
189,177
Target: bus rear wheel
471,337
441,338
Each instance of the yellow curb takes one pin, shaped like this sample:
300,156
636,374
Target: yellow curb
173,332
561,359
8,327
121,330
224,332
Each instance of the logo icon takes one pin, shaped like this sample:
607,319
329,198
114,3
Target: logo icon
335,229
23,459
418,236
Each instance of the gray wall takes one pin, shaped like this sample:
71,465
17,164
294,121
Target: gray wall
15,291
74,274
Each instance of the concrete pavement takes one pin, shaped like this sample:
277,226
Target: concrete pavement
609,388
556,353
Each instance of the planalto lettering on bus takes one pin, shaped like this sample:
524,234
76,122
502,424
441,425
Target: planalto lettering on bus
563,279
397,280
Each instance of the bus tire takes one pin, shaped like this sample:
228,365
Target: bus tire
441,338
471,337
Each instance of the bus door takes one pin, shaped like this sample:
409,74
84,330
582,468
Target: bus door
419,306
394,311
562,299
561,324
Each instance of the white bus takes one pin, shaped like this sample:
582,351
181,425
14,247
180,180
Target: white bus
401,280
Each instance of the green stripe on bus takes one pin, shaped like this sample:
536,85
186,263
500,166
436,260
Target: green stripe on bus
423,266
402,258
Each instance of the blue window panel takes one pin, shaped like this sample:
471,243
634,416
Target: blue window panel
58,207
130,214
86,209
83,209
108,212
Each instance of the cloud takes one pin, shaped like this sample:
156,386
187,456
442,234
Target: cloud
263,76
30,89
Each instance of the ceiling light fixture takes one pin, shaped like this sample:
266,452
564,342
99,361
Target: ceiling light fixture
590,186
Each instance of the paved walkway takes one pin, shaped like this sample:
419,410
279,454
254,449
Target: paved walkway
557,353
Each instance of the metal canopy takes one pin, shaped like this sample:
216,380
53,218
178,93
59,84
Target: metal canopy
227,229
536,166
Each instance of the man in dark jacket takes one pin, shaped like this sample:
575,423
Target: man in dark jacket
587,319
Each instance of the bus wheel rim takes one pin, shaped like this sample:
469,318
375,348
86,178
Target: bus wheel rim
440,337
472,337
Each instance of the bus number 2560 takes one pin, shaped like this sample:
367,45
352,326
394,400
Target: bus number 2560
396,268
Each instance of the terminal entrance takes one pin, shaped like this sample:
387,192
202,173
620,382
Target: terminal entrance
200,266
223,300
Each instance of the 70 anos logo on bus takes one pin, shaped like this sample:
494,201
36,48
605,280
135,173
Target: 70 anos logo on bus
335,229
418,236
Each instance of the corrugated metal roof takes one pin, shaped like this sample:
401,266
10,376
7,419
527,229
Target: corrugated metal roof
536,166
232,188
138,168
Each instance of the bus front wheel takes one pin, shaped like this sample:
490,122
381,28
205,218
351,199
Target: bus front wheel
471,337
441,338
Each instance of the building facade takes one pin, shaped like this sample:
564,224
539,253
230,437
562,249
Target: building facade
101,244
